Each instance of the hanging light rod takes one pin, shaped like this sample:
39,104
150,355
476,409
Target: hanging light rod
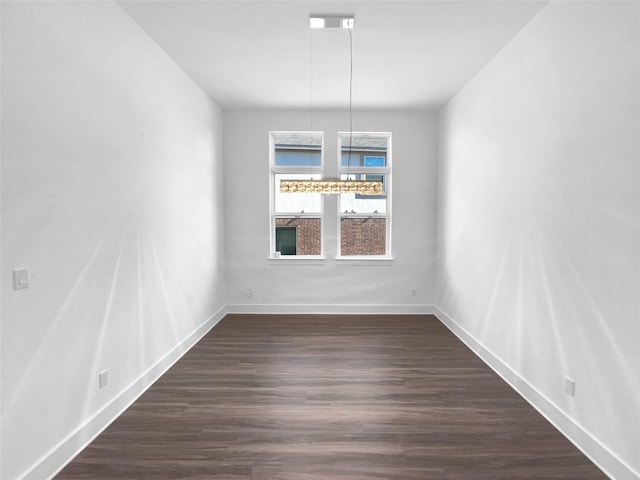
334,186
331,21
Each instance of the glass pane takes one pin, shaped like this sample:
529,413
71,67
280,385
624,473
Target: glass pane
297,202
302,150
374,161
298,236
363,236
356,203
297,158
365,151
286,240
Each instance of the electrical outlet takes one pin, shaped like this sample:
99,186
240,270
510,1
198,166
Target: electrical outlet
413,292
103,378
569,387
20,278
249,292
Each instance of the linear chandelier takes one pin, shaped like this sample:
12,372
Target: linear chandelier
335,186
332,186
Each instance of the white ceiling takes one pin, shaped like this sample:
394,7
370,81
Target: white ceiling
263,55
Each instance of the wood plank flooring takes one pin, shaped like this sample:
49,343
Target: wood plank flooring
330,397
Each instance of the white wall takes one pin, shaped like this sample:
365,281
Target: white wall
539,197
319,287
112,197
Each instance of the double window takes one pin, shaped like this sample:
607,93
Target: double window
298,219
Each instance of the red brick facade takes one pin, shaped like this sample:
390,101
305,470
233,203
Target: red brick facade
363,236
307,234
358,236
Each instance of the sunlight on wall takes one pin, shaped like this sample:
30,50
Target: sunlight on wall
539,216
112,197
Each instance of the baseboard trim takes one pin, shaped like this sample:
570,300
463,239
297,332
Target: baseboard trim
275,309
598,453
58,457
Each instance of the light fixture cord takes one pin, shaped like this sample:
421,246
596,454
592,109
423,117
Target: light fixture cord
311,73
350,101
311,79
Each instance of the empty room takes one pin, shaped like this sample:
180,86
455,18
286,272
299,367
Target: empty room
320,240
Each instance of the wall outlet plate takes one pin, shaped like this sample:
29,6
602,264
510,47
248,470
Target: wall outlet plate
20,278
103,378
569,386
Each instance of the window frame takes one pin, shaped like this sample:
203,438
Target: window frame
303,170
386,171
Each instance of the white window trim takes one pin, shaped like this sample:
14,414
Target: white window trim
297,260
273,170
374,259
364,261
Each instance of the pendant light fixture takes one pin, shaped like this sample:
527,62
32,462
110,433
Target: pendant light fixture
336,186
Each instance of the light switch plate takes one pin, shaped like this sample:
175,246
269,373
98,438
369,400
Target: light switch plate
20,278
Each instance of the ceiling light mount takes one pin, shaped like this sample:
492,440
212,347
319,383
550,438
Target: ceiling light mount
331,21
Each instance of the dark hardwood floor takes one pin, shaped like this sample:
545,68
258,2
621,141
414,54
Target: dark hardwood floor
330,397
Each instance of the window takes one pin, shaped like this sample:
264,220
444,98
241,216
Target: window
286,239
296,218
364,220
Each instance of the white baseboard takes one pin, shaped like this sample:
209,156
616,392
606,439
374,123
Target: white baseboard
58,457
599,454
255,308
55,460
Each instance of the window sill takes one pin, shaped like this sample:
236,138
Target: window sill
365,261
297,260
